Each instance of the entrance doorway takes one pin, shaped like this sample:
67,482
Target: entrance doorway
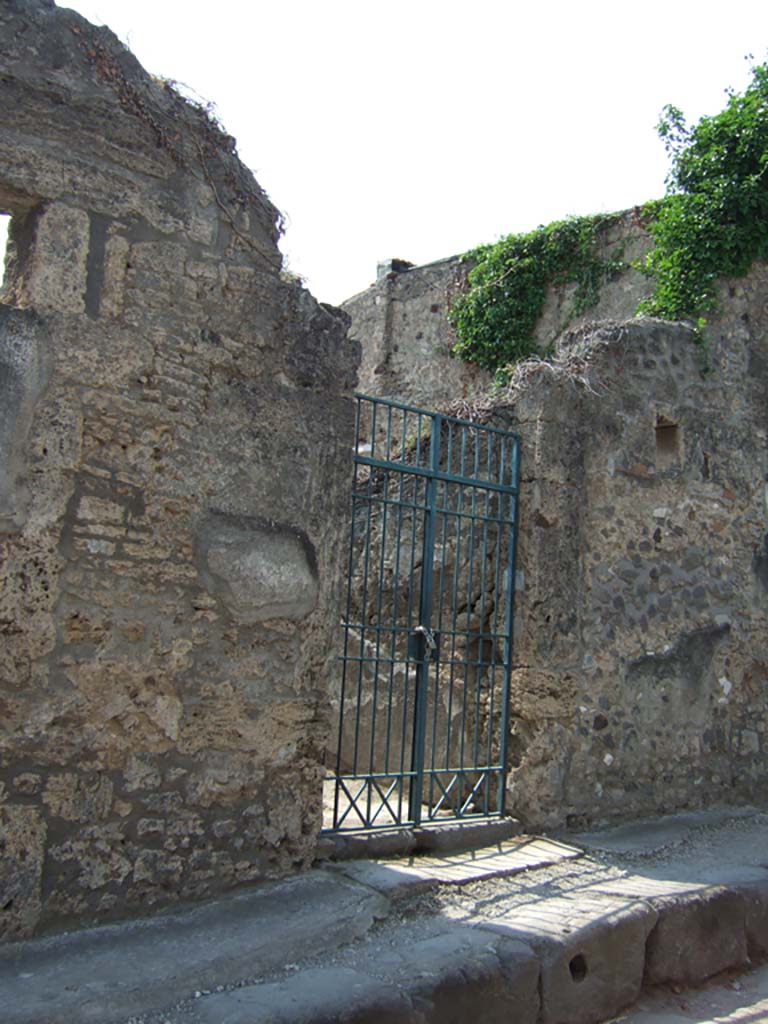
422,699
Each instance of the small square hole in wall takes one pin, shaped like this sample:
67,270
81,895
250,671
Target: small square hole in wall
668,440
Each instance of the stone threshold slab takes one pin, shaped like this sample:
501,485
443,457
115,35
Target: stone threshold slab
445,837
412,874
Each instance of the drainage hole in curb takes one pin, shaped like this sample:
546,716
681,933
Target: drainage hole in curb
578,967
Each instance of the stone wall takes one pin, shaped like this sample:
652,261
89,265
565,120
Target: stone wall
401,320
641,658
175,438
406,340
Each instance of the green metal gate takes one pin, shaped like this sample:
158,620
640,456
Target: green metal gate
424,689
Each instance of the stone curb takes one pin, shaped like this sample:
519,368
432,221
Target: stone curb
109,973
564,959
445,979
696,936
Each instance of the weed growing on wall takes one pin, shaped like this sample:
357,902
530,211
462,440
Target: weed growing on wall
496,317
713,221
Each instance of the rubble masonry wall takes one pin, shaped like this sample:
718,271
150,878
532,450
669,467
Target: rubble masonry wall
641,629
175,434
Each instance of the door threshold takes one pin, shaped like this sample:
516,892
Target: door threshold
448,837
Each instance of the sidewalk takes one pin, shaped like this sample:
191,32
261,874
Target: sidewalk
529,930
738,1000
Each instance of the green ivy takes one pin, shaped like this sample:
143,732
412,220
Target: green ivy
495,319
713,222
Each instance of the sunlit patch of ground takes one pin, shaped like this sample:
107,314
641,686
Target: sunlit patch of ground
728,999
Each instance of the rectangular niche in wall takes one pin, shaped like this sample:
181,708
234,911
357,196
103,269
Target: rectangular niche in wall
668,443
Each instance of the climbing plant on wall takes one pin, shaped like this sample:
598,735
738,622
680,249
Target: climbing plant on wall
496,317
713,221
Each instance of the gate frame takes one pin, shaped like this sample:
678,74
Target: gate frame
421,663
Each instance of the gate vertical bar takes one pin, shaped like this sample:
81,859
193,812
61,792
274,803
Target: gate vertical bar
512,562
425,620
345,657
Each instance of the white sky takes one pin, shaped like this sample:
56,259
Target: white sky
419,128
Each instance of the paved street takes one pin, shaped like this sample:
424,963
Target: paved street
527,927
741,999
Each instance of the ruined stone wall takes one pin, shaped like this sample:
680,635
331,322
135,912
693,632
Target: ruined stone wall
401,321
641,632
175,436
642,616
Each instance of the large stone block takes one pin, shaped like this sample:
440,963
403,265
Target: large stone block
697,935
448,978
56,274
260,571
452,974
755,896
591,949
